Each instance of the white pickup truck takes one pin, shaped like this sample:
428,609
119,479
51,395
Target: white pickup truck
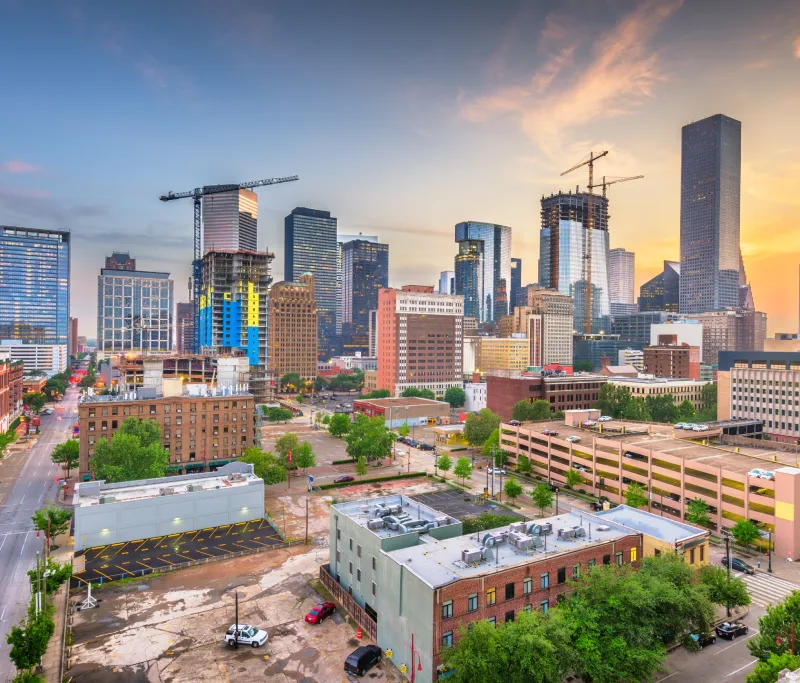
248,635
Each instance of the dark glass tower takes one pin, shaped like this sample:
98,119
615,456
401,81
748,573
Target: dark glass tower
365,270
311,247
662,293
516,283
34,285
711,160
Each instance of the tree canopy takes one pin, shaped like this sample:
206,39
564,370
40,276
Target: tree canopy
66,454
343,382
478,428
292,381
265,465
662,408
775,628
339,424
378,393
134,452
34,400
686,411
512,489
583,366
414,392
636,495
709,398
369,438
526,410
444,462
277,414
572,478
283,445
53,518
697,512
463,468
455,396
542,497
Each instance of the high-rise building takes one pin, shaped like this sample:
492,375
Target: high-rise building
677,332
563,243
711,161
365,270
734,330
634,328
546,317
293,328
233,311
373,333
483,269
419,339
73,336
184,335
679,361
341,241
620,276
593,347
503,353
34,285
746,300
662,293
311,247
230,221
120,260
516,283
447,282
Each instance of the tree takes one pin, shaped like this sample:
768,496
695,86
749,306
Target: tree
769,671
492,444
512,489
55,574
66,454
29,640
278,414
455,396
265,466
378,393
463,469
686,411
636,495
404,430
444,462
284,444
542,497
636,409
583,366
34,400
573,478
709,398
524,464
339,424
299,398
292,380
484,521
344,382
326,419
775,628
697,512
662,408
370,438
478,428
361,466
134,453
27,677
320,384
612,400
745,532
53,518
305,457
525,411
720,590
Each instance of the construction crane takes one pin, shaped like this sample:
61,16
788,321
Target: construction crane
611,180
587,257
197,264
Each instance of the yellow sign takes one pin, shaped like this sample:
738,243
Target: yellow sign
403,669
389,653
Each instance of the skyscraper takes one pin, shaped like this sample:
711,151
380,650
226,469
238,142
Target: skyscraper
293,328
230,221
620,276
365,270
711,159
310,244
342,240
483,269
447,282
546,316
563,241
184,335
34,285
662,293
516,284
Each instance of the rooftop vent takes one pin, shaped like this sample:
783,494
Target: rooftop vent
536,529
236,476
602,527
107,499
166,491
195,487
580,532
566,534
374,524
471,555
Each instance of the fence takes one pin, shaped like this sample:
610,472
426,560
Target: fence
346,600
765,444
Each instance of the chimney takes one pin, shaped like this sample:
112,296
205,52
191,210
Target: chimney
605,361
476,377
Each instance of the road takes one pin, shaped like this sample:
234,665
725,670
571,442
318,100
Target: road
35,486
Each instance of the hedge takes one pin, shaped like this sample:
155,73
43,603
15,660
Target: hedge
15,424
372,480
346,461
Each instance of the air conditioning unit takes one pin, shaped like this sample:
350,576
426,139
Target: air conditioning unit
195,487
602,527
107,499
566,534
471,555
580,532
517,527
166,491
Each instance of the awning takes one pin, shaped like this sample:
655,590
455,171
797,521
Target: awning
195,465
174,468
218,463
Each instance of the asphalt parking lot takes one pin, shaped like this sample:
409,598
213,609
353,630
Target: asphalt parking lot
453,503
142,557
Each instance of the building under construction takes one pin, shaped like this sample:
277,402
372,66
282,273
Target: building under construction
134,372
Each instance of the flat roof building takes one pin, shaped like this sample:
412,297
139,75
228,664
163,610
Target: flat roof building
679,389
398,411
503,353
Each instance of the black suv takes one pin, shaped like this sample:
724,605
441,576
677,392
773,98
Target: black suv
362,659
730,629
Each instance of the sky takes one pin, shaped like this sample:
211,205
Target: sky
402,119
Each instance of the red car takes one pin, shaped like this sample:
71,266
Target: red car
320,613
343,478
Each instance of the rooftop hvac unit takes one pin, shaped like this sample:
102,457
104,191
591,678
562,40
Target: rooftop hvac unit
394,509
236,476
520,541
517,527
537,542
195,487
442,521
580,532
487,554
602,527
496,538
107,499
471,555
566,534
375,524
537,529
166,491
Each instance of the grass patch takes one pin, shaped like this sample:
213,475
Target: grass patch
371,480
318,586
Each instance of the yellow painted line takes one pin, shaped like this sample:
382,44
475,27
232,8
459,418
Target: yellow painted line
253,540
106,575
211,528
116,544
143,564
167,561
206,554
242,546
196,535
173,535
141,544
80,579
124,570
184,557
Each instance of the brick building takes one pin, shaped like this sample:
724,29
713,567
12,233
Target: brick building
200,429
292,328
410,411
672,360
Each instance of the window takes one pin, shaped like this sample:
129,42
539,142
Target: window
509,616
351,545
374,588
657,552
447,639
590,563
527,586
338,556
633,555
509,591
351,568
562,574
527,608
374,564
472,602
691,556
619,559
544,581
358,551
576,571
358,575
702,553
447,609
491,596
606,559
544,605
492,620
338,534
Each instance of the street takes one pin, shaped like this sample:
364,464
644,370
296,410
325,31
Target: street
35,487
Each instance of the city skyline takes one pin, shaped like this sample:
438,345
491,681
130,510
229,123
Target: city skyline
494,117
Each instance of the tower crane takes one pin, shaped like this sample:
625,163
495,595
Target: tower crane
589,225
197,264
611,180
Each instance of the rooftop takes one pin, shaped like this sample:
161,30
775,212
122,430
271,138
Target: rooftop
657,380
384,509
653,525
439,563
151,394
400,402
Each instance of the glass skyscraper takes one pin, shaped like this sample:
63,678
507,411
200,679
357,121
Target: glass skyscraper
230,221
365,270
311,247
516,283
483,269
34,285
711,160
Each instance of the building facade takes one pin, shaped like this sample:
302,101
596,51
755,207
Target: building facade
734,330
620,276
341,240
516,283
73,337
680,389
503,353
365,270
483,269
184,326
672,360
689,332
293,320
132,373
419,340
546,317
230,221
662,293
593,348
311,246
34,285
476,396
634,328
400,411
711,161
633,357
50,358
447,282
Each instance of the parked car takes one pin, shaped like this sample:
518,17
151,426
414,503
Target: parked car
604,418
496,470
515,423
738,565
320,612
700,428
766,474
362,659
689,425
755,472
248,635
589,423
730,629
413,444
549,432
704,639
426,447
573,439
343,478
596,506
680,425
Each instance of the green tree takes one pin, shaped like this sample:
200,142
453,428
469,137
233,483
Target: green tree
378,393
305,457
636,409
745,532
444,462
512,489
27,677
67,455
463,469
524,465
775,628
583,366
613,400
525,411
720,590
339,424
572,478
455,396
34,400
278,414
299,398
478,428
542,497
55,574
29,640
709,399
54,518
484,521
662,408
636,495
285,443
361,466
492,444
370,438
769,671
291,381
326,419
320,384
697,512
404,430
414,392
134,453
265,466
686,411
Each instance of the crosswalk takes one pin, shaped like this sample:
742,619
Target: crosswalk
767,589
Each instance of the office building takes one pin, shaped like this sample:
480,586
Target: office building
134,309
233,311
120,260
634,357
73,336
293,320
731,331
620,276
476,396
711,160
419,340
505,326
516,283
672,360
680,389
373,333
623,309
341,240
509,353
470,349
50,358
483,269
609,370
563,243
365,270
230,221
447,282
470,326
677,332
34,285
662,293
356,362
200,428
184,334
634,328
546,317
783,341
311,247
400,411
130,373
11,384
593,347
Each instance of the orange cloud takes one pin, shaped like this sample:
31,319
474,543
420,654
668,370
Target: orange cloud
16,166
797,47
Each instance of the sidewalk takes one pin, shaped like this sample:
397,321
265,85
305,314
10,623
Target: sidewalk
53,658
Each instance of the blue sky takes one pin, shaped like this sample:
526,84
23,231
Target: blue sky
400,119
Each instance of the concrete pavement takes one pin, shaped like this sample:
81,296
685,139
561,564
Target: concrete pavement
35,487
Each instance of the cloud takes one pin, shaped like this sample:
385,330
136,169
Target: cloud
797,47
17,166
37,206
619,76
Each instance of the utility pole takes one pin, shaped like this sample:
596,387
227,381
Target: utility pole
728,563
306,520
236,625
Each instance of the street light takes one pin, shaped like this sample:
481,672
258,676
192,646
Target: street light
556,500
727,537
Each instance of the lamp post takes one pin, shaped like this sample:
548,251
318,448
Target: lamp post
727,537
556,499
